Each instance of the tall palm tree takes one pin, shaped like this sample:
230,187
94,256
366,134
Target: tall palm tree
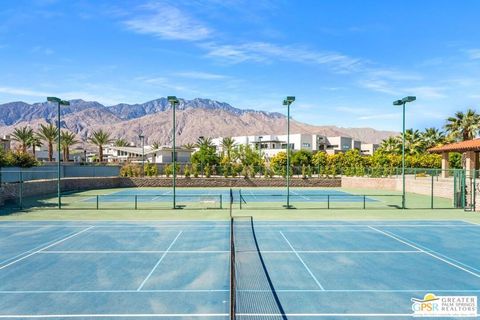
227,144
67,139
391,145
121,142
23,135
432,137
463,126
48,133
34,142
100,138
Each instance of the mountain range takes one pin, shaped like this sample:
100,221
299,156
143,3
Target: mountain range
194,118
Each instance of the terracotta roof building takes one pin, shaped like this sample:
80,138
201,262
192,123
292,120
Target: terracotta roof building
470,150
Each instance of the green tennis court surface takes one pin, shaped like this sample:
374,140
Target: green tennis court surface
244,198
310,269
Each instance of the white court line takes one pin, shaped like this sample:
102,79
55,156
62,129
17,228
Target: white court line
198,315
25,252
112,291
297,194
472,223
44,248
227,290
345,251
158,262
140,315
393,236
128,251
301,260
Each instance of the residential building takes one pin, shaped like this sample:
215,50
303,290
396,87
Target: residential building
134,154
5,143
369,148
273,144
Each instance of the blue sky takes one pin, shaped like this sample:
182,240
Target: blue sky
344,60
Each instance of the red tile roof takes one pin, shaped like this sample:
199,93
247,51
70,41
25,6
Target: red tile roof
462,146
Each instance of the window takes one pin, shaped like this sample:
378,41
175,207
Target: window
306,145
176,156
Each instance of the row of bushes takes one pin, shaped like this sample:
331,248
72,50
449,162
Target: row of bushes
237,170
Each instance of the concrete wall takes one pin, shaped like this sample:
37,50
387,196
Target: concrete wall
48,187
443,187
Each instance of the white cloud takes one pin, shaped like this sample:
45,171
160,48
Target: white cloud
43,50
379,86
426,92
473,54
200,75
23,92
380,116
265,51
168,22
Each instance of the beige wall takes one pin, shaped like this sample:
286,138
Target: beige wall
441,187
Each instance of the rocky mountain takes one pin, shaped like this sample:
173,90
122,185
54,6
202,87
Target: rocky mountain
197,117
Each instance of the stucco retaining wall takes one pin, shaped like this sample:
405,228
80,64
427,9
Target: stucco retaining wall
442,187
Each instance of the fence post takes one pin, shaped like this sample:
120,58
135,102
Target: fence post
20,190
431,198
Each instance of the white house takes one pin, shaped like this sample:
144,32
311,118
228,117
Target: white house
270,145
5,143
134,154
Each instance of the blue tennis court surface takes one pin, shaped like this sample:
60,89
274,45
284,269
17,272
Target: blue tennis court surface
319,269
247,195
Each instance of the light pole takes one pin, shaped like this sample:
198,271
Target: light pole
402,103
174,101
142,139
287,102
59,102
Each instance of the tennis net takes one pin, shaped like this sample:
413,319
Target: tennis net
252,292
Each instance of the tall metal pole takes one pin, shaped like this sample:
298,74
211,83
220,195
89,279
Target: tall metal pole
143,156
174,160
288,155
58,157
403,157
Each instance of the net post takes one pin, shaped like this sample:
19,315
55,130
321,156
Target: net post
364,201
97,201
221,202
328,201
240,198
135,202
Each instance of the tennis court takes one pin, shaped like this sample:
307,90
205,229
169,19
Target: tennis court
305,270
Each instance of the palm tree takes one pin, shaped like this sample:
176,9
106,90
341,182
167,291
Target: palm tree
432,137
23,135
189,146
413,142
227,146
67,139
100,138
120,142
48,133
155,145
204,143
463,126
34,142
391,145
